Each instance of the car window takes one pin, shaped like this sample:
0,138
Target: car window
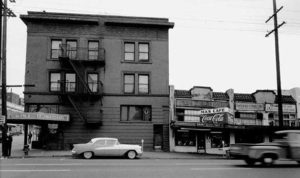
100,142
110,142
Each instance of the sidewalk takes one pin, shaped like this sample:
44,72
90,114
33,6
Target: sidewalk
38,153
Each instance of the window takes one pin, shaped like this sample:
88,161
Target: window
55,81
72,49
93,82
185,138
129,83
219,139
129,51
143,51
55,49
135,113
70,84
100,142
111,142
93,50
143,83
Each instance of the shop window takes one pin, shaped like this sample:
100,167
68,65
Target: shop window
93,50
55,49
185,138
135,113
237,115
260,116
219,140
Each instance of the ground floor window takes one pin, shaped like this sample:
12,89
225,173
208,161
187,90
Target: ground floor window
135,113
219,139
185,138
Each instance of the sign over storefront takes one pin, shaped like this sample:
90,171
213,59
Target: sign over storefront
208,117
249,107
285,108
38,116
199,103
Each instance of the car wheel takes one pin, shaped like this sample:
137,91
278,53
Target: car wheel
250,161
268,160
88,155
131,154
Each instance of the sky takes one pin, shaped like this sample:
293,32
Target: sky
216,43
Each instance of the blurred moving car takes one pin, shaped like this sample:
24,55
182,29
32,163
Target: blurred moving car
285,146
106,147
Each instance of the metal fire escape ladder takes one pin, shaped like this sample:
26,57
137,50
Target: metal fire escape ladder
85,85
76,109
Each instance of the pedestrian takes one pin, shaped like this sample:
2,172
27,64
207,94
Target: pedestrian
9,140
29,137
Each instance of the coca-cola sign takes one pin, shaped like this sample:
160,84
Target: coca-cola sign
208,119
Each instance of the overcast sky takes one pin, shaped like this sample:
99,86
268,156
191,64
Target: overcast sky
215,43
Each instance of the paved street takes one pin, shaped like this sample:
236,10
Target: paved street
166,168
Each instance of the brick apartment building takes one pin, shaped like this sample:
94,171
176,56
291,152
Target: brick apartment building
109,73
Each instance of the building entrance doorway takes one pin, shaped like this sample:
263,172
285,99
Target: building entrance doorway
201,148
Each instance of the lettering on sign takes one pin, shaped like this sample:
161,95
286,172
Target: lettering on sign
199,103
38,116
249,107
285,108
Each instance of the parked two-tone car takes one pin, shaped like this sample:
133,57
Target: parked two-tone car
106,147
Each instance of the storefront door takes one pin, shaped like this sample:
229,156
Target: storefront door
201,142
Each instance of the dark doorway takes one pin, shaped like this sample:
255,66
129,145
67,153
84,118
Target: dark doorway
201,142
158,136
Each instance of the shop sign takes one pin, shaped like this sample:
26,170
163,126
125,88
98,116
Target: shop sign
249,107
285,108
207,111
32,116
207,119
199,103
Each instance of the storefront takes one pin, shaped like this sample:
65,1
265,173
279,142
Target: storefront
45,128
201,131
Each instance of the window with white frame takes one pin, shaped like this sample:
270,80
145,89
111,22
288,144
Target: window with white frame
71,49
70,82
143,51
55,81
93,50
93,82
55,48
129,51
143,83
128,83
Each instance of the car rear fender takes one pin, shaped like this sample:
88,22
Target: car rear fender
257,152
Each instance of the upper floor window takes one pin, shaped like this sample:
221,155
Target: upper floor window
136,113
129,51
93,50
143,83
93,82
71,49
55,81
129,83
55,49
70,83
144,51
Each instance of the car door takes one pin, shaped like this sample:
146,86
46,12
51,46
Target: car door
294,140
110,148
99,148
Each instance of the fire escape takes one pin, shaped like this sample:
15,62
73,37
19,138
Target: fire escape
82,90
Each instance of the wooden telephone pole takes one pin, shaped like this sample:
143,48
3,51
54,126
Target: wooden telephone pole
275,30
5,12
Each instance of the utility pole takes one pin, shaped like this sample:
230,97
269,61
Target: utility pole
275,30
6,12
